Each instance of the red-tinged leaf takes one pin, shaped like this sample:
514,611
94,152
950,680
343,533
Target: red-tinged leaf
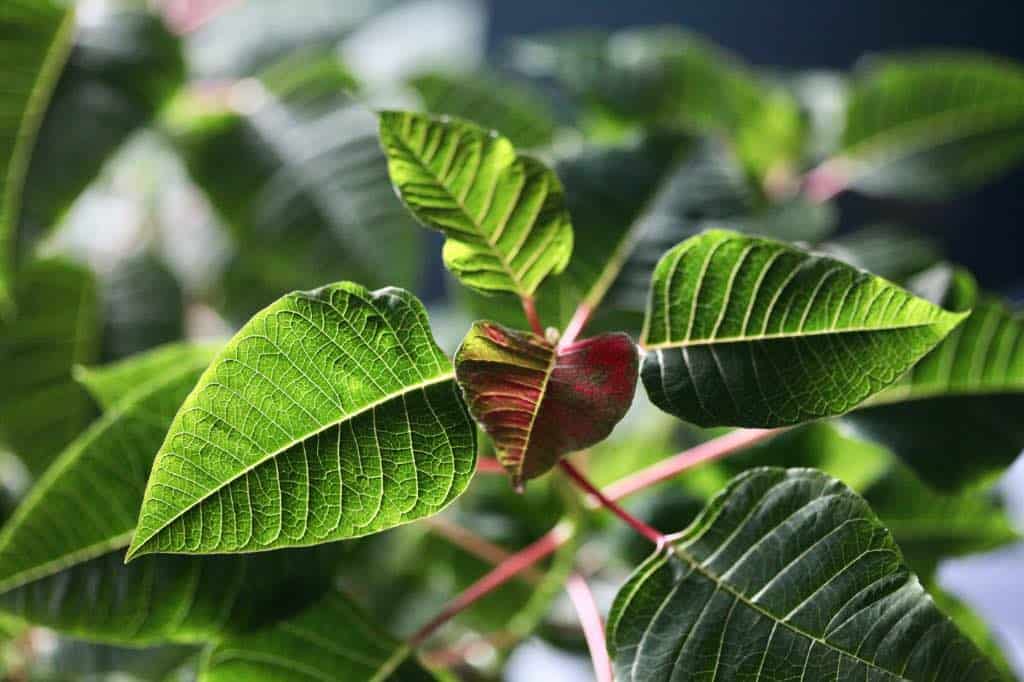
538,403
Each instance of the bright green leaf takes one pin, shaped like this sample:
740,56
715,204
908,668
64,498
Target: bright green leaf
786,575
33,46
56,327
329,640
503,213
932,124
108,384
332,414
742,331
974,379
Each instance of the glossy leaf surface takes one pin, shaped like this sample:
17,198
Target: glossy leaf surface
56,327
537,402
932,124
786,574
332,414
330,640
503,213
743,331
32,51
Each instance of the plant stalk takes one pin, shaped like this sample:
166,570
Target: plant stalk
636,524
530,310
593,628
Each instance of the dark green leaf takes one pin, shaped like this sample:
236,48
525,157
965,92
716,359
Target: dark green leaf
332,414
34,35
743,331
889,251
503,213
143,307
786,574
932,124
56,327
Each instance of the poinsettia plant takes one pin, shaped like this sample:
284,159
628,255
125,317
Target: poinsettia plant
338,491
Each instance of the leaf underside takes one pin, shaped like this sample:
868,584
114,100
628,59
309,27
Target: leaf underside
332,414
787,574
503,214
537,402
744,331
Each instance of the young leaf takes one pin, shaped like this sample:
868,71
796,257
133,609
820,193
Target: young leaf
62,552
108,384
539,402
33,47
56,327
329,640
787,574
744,331
332,414
973,379
930,125
504,214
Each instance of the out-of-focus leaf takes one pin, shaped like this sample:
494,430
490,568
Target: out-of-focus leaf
972,625
361,428
56,327
503,213
958,415
108,384
74,661
822,96
744,331
33,46
508,106
143,307
889,251
62,552
538,402
786,574
122,68
664,76
306,191
932,124
329,640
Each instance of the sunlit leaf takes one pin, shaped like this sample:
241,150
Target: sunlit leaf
501,104
932,124
743,331
33,47
539,402
332,414
56,327
329,640
786,574
974,380
503,213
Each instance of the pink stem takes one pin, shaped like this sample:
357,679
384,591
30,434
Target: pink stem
825,182
530,309
576,324
502,573
489,465
716,448
593,629
636,524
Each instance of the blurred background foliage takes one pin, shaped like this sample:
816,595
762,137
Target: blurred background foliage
199,159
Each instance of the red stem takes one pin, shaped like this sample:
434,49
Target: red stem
709,451
593,629
530,308
576,324
502,573
636,524
489,465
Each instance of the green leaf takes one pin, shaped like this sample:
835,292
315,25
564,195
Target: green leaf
123,67
743,331
36,34
108,384
143,307
932,124
974,379
890,251
539,402
508,106
61,553
786,574
56,327
503,213
332,414
330,640
303,186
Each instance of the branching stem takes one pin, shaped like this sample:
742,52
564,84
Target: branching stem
530,310
636,524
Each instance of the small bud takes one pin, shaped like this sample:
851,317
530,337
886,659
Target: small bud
551,335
